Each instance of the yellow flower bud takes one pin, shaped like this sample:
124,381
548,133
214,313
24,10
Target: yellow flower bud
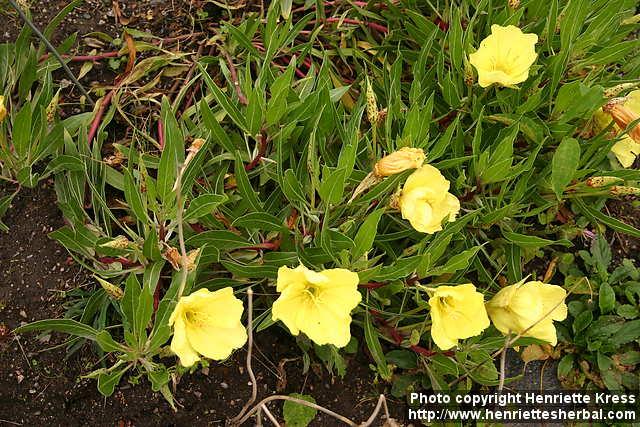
505,56
529,309
318,304
399,161
3,109
425,200
207,323
617,89
514,4
457,312
623,115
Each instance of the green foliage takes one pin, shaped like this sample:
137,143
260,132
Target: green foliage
604,336
284,149
296,414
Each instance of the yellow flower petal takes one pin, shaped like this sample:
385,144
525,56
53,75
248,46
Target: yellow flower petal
207,323
3,109
505,56
425,200
317,303
626,151
528,309
180,344
457,312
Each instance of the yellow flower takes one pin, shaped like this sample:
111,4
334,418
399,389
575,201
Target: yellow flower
3,109
399,161
207,323
505,56
622,114
425,200
530,307
317,303
457,312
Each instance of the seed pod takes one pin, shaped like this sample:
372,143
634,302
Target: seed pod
372,104
621,190
617,89
112,290
120,242
399,161
601,181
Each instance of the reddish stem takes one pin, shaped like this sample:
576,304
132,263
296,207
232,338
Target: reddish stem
197,228
234,77
83,58
160,134
372,285
262,150
372,25
95,124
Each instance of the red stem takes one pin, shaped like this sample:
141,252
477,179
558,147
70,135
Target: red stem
110,260
161,134
372,25
83,58
106,101
262,150
372,285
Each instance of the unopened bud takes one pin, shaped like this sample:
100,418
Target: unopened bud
119,242
3,109
632,20
514,4
621,190
623,116
112,290
468,73
399,161
601,181
52,108
372,104
617,89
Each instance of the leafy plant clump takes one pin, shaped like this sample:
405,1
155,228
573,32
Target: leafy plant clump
378,167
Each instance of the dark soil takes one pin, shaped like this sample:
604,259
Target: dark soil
623,245
38,387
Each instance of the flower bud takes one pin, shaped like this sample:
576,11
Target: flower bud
623,116
622,190
52,108
514,4
372,104
174,257
399,161
3,109
112,290
119,242
601,181
617,89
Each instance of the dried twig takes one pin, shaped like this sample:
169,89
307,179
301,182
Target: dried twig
234,77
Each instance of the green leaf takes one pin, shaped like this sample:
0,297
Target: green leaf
606,298
373,343
456,262
133,197
172,155
532,242
107,343
403,359
564,165
260,221
296,414
332,186
244,185
203,205
129,302
107,381
21,134
225,103
67,326
366,234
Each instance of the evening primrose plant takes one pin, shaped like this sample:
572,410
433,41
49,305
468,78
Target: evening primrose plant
382,186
